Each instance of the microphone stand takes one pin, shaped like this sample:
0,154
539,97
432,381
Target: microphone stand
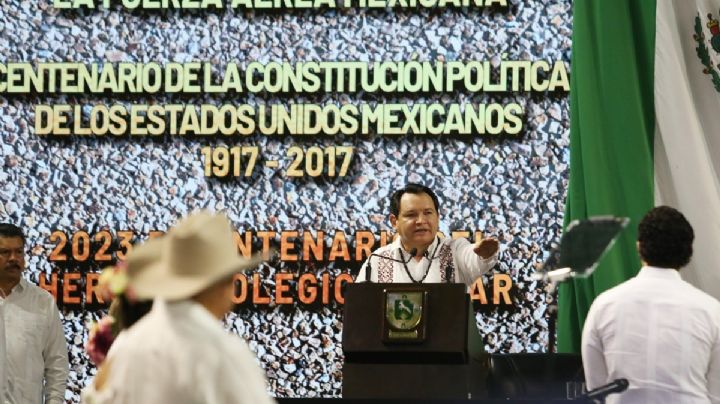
553,278
582,245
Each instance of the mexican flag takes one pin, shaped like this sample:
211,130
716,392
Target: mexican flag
645,131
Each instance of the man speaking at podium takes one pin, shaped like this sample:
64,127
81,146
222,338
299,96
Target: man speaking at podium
419,255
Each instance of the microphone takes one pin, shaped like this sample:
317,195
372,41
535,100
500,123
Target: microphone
616,386
413,252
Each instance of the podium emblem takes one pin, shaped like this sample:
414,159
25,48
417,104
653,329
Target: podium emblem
404,320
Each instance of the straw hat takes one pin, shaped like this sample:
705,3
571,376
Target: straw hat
143,257
197,252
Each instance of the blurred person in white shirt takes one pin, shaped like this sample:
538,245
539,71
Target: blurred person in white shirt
106,335
179,352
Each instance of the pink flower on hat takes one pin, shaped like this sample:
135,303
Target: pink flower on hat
100,339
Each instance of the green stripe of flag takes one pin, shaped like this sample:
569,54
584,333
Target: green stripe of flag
611,138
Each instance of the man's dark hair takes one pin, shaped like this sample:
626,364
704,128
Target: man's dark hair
10,230
665,238
411,189
128,312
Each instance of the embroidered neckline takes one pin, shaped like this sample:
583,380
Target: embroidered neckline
427,269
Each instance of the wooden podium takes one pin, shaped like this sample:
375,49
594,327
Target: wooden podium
411,341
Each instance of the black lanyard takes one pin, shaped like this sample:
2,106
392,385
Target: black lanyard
427,270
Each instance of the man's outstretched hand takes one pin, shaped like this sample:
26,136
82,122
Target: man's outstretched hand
486,247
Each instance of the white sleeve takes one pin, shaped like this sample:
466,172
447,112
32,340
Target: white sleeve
470,266
713,374
55,356
596,373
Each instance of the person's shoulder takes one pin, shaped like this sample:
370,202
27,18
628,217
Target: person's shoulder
614,293
218,351
604,303
144,333
36,292
702,298
235,344
145,342
385,249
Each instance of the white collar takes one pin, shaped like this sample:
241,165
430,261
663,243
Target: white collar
657,272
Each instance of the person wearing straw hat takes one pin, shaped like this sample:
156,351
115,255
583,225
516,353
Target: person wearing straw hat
180,352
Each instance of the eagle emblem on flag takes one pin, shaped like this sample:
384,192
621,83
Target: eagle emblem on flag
703,52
